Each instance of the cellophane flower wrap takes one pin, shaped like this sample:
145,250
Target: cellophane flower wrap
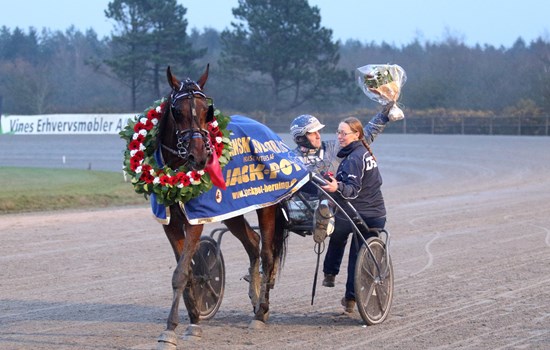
382,83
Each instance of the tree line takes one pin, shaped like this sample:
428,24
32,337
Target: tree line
275,62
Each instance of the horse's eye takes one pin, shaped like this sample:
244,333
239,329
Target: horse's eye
176,111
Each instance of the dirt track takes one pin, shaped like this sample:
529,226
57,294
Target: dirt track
470,224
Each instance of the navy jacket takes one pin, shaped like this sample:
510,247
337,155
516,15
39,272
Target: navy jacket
359,181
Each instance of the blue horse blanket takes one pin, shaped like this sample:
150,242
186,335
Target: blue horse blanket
262,171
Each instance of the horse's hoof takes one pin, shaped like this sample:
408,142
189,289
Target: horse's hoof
167,341
193,332
256,324
262,317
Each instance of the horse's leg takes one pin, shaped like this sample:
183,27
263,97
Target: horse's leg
272,251
181,277
174,231
176,236
251,243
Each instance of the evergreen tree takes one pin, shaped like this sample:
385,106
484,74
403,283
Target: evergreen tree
170,45
282,43
151,34
129,61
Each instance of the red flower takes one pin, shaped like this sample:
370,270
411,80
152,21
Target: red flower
140,138
152,114
134,145
149,125
146,168
147,177
183,179
139,155
138,127
164,180
213,129
196,176
219,148
213,137
135,162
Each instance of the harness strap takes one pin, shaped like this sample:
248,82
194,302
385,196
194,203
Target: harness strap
188,90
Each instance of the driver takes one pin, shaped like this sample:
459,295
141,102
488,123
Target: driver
321,157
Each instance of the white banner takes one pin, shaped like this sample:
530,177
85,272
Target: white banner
64,124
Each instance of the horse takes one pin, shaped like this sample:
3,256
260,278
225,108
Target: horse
183,140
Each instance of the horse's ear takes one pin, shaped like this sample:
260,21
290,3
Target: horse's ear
210,114
174,83
204,77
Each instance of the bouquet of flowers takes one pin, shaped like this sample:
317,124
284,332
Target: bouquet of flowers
383,83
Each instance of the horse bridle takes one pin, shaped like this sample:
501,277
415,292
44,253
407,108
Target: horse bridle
188,90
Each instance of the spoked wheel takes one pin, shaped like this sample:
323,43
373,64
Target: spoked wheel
374,285
209,275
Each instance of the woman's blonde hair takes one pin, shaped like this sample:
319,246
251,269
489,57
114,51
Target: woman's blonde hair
355,125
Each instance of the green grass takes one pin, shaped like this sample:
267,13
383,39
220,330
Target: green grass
37,189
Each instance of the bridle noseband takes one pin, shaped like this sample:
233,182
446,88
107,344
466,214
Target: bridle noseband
188,90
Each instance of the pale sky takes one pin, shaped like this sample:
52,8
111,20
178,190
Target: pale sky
397,22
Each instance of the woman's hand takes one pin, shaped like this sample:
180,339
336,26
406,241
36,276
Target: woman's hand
331,186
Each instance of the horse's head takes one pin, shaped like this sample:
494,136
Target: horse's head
183,131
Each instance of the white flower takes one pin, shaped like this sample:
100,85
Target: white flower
200,172
214,123
155,121
156,180
152,171
135,136
138,169
143,120
141,147
158,109
180,185
218,139
194,182
143,132
133,152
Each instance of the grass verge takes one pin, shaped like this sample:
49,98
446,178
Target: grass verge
38,189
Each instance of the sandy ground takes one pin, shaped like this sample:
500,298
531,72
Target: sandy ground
470,224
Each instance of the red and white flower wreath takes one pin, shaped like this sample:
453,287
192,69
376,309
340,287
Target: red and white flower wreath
170,185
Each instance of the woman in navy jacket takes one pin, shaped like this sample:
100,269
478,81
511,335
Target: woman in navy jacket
358,181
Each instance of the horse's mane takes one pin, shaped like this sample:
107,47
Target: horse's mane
164,120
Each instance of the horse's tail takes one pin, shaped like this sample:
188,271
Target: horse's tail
280,238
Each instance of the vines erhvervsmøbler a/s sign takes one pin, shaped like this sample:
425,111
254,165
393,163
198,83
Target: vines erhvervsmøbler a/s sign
64,124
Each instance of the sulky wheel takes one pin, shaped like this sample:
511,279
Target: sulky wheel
209,275
374,286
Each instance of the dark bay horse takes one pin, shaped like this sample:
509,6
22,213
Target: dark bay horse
183,139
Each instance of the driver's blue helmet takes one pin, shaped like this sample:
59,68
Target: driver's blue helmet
303,124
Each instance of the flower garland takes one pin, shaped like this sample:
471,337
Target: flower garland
169,185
